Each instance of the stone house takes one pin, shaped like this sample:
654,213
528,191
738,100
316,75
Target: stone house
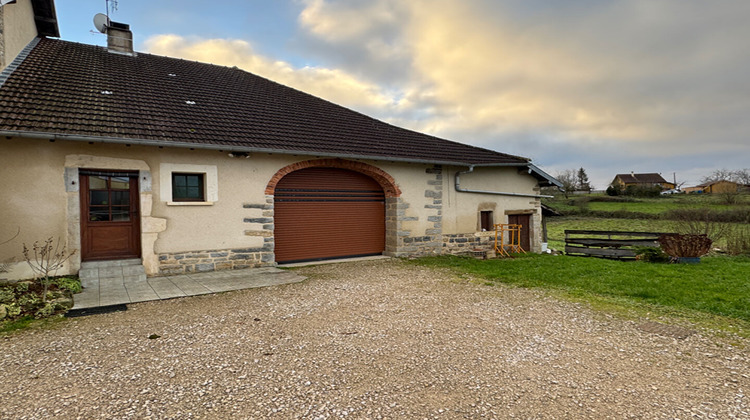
190,166
641,180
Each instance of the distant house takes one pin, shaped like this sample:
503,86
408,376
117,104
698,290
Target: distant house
641,180
715,187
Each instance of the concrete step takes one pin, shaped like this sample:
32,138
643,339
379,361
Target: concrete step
94,273
111,263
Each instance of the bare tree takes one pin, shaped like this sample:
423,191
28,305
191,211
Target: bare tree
718,175
45,259
742,176
568,178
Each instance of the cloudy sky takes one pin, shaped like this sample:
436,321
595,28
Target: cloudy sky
612,86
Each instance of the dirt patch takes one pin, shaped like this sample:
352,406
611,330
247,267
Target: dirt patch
666,330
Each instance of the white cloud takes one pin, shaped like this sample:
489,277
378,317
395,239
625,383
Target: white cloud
599,84
636,79
347,19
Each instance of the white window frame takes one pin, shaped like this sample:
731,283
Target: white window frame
210,177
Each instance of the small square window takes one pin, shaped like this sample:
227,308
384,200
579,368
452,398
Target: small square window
188,187
486,221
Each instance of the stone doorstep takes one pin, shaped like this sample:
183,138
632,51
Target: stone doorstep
96,273
110,263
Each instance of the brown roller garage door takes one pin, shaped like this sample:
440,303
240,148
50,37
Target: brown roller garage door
323,213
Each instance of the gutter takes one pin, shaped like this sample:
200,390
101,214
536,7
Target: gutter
228,148
511,194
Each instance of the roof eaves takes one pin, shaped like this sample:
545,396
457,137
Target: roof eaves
45,18
543,176
205,146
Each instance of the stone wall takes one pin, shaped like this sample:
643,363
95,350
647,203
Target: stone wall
201,261
465,243
228,259
401,242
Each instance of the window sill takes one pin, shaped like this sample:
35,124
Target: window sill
190,203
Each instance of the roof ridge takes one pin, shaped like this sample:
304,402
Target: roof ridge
379,121
7,71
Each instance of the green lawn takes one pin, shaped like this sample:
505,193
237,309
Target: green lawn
716,286
655,205
556,227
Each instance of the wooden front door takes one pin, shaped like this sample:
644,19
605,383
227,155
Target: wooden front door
110,215
525,221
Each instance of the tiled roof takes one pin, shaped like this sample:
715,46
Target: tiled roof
82,91
652,178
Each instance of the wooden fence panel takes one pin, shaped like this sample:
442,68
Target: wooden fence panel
608,244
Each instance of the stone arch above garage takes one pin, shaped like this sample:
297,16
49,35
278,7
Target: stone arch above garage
386,181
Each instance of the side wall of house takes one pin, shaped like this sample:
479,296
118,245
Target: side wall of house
17,29
234,228
723,187
461,218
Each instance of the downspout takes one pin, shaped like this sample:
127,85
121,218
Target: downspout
511,194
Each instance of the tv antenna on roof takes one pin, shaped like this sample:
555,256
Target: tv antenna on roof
110,5
101,20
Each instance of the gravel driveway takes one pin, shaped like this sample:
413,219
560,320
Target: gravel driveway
378,339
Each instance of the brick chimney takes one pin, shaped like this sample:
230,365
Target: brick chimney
119,38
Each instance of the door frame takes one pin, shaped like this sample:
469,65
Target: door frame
134,248
526,230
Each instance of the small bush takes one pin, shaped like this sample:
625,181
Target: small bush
685,246
738,242
71,284
741,215
7,295
633,191
699,222
651,254
29,299
45,311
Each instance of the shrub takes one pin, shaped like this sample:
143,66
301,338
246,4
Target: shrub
685,246
652,191
741,215
26,299
7,295
699,222
45,259
71,284
606,199
651,254
738,242
45,311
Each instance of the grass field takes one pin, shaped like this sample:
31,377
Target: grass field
601,212
655,205
556,227
718,286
